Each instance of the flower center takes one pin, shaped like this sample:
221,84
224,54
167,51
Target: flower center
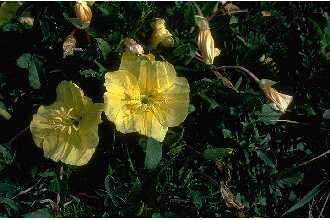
145,99
63,119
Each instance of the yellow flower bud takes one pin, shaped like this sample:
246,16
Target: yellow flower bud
205,41
83,12
280,100
160,35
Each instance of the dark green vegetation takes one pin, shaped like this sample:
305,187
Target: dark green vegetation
229,143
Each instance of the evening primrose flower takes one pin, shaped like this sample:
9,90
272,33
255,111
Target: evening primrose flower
67,130
160,35
281,101
205,41
83,12
145,96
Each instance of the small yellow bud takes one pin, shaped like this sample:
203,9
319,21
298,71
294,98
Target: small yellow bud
83,12
132,46
205,41
280,100
160,35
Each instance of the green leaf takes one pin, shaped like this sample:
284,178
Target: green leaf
291,179
217,153
197,199
153,154
39,213
266,158
325,41
103,46
308,197
10,203
34,66
6,156
326,114
268,115
89,73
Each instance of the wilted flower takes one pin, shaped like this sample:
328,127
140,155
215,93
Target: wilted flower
27,20
67,130
145,96
69,45
132,46
280,100
160,35
205,41
83,12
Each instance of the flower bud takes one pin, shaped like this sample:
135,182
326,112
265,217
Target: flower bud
280,100
83,12
132,46
160,35
205,41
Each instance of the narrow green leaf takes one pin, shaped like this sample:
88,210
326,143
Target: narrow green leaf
153,154
308,197
266,158
217,153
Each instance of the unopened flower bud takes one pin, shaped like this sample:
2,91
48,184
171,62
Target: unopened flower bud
160,35
280,100
83,12
205,41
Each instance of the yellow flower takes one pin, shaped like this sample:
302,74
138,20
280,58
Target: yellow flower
280,100
145,96
205,41
83,12
160,35
67,130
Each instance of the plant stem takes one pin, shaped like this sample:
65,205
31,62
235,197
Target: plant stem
325,203
315,158
254,77
17,135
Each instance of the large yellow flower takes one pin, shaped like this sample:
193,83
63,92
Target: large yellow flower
145,96
67,130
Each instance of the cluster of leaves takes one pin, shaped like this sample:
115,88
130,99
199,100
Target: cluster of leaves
232,142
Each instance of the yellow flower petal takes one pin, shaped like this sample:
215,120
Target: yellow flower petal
173,103
67,130
123,95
